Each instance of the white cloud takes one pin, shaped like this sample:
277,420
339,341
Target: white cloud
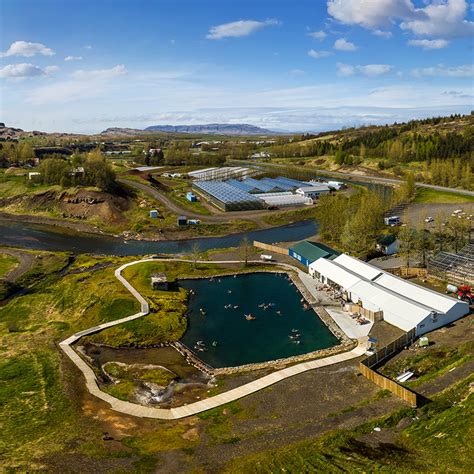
100,74
382,33
375,69
51,69
88,46
27,50
441,70
25,70
444,18
429,44
319,35
366,70
296,72
73,58
345,69
370,13
82,85
237,29
312,53
342,44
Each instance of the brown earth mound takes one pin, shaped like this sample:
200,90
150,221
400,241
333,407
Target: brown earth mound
77,204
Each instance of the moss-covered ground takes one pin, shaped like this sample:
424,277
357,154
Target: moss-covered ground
7,264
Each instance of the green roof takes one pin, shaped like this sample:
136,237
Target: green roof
311,251
386,239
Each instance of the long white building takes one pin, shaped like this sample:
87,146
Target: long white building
403,304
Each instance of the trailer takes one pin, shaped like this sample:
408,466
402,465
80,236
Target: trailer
266,258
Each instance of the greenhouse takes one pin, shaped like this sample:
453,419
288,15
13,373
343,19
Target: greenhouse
227,197
454,268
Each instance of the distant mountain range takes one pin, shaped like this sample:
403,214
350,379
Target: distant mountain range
210,129
214,129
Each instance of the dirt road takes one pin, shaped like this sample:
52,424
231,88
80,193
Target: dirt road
362,177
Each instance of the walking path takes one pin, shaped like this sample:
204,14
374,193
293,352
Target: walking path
202,405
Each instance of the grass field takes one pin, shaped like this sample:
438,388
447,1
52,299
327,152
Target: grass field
7,264
431,196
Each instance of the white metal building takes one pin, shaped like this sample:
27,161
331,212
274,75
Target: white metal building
403,304
314,191
285,199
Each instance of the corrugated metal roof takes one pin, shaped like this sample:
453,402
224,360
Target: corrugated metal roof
404,304
311,251
358,266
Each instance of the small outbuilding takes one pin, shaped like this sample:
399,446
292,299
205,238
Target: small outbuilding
159,281
191,197
388,245
182,220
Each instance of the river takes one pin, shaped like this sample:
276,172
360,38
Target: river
42,237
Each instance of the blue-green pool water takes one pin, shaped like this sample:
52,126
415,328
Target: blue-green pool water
282,327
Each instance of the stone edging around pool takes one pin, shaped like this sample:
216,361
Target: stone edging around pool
202,405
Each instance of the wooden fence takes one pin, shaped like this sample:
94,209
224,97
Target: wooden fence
270,248
409,272
367,368
388,384
373,316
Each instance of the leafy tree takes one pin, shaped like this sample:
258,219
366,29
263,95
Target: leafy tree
408,244
54,171
97,172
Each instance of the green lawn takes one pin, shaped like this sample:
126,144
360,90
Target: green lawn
7,264
431,196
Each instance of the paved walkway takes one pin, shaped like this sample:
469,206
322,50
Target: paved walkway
202,405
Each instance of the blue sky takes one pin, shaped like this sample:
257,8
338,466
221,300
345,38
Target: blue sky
83,66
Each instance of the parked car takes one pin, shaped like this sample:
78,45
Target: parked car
429,219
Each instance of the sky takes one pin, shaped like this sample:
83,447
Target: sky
301,65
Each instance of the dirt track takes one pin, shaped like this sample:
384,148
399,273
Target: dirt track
25,262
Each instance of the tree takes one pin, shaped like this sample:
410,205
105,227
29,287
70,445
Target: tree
245,249
195,254
423,244
458,231
410,187
97,172
54,171
407,237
